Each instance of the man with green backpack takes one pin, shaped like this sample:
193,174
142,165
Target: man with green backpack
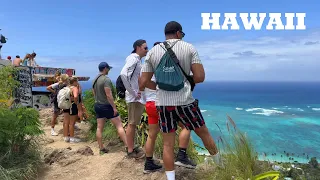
171,62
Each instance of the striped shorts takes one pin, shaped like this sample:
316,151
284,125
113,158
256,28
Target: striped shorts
189,115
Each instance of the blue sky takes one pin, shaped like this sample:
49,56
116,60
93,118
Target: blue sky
80,34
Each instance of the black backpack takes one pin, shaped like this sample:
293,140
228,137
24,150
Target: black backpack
121,89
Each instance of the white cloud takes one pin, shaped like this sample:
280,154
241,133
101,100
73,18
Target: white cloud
269,58
84,66
264,58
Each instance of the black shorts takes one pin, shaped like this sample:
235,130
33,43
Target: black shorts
80,100
104,111
56,109
73,110
190,116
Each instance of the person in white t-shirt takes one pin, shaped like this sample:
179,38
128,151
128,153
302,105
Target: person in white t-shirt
154,129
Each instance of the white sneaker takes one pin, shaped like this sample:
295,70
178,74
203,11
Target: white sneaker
53,133
66,139
74,140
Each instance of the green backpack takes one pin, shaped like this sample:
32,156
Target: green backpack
3,39
168,73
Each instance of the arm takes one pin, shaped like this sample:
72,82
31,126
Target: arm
80,89
75,92
196,67
52,88
151,85
108,91
126,74
146,80
147,73
49,88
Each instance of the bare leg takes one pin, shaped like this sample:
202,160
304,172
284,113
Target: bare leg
131,130
54,119
66,122
73,119
184,137
168,150
80,111
153,132
100,127
118,124
207,139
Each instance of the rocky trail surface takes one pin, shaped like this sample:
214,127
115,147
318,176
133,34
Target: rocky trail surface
82,161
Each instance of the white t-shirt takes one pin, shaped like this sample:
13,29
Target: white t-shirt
151,94
187,55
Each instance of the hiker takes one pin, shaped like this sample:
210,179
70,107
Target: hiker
104,106
26,60
17,61
32,61
54,88
153,122
3,40
174,100
71,113
130,74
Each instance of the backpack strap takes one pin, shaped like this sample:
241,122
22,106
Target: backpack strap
94,83
175,59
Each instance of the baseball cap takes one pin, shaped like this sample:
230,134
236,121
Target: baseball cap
103,65
137,43
172,27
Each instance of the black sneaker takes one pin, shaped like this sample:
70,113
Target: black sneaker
184,161
137,153
103,151
150,167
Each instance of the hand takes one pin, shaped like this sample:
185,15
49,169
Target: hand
115,112
138,95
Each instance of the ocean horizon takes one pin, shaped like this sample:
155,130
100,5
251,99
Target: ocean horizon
278,117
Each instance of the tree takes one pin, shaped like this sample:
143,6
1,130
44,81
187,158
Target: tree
313,162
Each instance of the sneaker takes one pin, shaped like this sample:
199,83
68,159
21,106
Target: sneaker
103,151
74,140
150,167
66,139
53,133
137,153
184,161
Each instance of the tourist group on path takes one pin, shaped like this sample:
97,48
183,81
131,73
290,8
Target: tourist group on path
162,86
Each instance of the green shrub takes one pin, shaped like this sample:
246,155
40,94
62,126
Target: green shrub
7,74
19,128
239,157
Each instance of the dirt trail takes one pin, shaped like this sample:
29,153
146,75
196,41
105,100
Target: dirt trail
67,164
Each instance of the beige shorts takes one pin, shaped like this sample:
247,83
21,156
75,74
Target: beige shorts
135,110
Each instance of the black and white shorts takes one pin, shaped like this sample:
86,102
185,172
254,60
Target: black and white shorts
189,115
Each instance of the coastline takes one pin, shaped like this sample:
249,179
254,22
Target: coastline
273,159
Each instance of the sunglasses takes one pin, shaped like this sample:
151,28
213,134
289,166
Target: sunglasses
182,33
146,48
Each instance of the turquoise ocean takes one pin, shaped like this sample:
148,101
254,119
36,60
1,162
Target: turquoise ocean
278,117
